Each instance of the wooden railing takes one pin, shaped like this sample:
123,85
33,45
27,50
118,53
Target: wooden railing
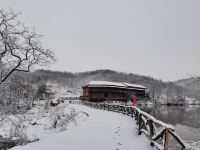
161,135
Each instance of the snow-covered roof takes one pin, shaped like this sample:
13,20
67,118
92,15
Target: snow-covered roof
105,83
114,84
134,85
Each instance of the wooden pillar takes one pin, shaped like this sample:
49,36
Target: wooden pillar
151,128
132,112
166,140
140,124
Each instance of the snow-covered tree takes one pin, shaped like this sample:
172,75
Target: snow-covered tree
20,47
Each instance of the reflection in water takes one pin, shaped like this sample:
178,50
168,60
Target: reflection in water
186,119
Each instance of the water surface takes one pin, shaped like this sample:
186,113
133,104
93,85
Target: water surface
185,119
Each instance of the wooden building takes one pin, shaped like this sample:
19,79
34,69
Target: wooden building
104,90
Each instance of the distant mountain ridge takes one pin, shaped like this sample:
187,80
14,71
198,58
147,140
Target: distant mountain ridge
156,87
189,83
192,84
83,78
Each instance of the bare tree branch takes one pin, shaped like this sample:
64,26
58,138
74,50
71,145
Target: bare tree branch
20,47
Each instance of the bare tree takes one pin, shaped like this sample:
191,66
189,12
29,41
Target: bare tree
20,47
155,90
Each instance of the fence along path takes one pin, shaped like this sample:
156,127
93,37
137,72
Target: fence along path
161,135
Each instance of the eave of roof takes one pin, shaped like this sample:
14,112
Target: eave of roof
115,85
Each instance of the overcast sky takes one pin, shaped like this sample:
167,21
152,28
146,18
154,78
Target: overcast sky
157,38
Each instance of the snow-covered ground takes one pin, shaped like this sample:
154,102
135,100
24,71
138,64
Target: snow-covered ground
64,91
40,122
102,130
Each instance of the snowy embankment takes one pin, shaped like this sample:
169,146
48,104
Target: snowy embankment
102,130
40,122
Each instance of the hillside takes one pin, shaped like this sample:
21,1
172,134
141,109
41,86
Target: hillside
192,84
157,88
77,80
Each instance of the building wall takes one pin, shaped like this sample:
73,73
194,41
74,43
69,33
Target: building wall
111,93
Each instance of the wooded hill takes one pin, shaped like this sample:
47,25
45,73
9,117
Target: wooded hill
192,84
156,87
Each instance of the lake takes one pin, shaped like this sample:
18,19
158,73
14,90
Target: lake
185,119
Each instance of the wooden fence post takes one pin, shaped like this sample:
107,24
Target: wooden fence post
137,116
166,140
151,128
124,110
140,124
132,112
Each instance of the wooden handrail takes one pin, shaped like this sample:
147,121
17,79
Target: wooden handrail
147,124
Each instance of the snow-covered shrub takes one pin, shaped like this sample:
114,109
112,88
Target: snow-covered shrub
41,91
18,130
39,122
61,120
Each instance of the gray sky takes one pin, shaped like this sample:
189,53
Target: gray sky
158,38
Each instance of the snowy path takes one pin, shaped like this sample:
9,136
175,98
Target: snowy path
102,130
